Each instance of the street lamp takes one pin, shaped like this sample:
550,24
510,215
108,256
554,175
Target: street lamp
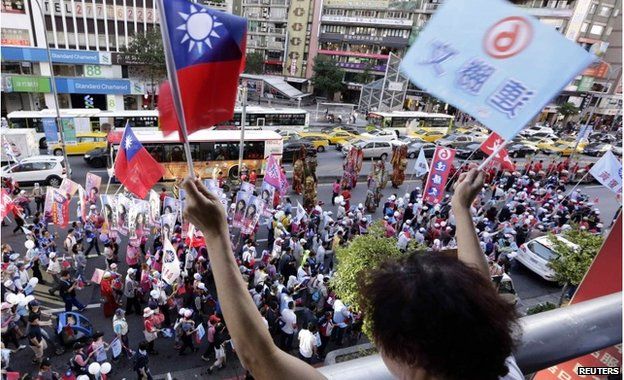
54,91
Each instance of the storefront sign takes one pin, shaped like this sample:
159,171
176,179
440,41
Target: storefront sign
392,41
98,71
50,130
585,84
361,66
58,55
28,84
14,37
123,12
297,31
366,20
93,86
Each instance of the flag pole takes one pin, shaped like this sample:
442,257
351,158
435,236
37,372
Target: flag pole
241,147
175,88
571,191
493,154
460,166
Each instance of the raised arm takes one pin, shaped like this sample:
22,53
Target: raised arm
469,251
252,340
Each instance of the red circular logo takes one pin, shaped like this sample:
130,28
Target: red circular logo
508,37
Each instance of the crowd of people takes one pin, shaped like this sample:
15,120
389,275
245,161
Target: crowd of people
288,278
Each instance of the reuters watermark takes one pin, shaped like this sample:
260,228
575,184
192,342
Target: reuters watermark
598,371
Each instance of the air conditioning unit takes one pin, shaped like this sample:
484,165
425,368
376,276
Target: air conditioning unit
263,29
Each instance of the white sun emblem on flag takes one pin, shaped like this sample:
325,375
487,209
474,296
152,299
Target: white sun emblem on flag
199,26
128,142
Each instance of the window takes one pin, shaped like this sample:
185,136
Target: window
592,8
596,29
42,165
369,146
605,11
22,168
86,139
608,30
584,27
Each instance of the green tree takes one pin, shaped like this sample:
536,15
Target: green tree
366,76
254,63
327,75
567,110
354,261
148,50
571,264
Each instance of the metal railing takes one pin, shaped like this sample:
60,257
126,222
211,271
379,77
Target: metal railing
548,338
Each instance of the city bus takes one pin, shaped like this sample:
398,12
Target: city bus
405,122
86,120
212,151
273,119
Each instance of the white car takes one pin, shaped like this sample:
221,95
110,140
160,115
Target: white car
43,169
537,128
379,134
536,254
378,149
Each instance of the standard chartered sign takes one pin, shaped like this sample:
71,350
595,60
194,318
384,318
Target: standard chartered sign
93,86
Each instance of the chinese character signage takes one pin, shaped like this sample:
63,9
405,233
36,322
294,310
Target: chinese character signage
440,168
502,66
608,171
50,130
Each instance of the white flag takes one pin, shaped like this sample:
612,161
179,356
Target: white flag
171,264
608,171
300,213
421,166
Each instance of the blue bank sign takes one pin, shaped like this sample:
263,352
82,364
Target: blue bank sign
93,86
57,55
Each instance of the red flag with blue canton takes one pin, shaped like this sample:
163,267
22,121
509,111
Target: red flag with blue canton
208,49
135,167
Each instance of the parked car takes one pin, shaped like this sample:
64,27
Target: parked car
471,150
561,147
338,138
380,134
520,149
537,253
413,148
291,147
289,135
596,149
429,136
603,138
44,169
320,143
456,140
96,158
84,143
537,128
346,128
373,149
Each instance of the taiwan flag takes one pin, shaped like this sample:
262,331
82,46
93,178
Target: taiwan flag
135,168
208,51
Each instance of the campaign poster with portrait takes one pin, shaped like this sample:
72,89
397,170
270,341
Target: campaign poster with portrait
68,187
154,208
92,186
140,213
83,207
60,209
109,209
171,206
242,198
252,214
248,187
47,205
167,225
267,192
121,214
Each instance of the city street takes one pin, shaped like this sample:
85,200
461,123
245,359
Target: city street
531,289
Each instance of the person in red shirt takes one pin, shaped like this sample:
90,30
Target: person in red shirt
163,194
346,194
538,166
253,177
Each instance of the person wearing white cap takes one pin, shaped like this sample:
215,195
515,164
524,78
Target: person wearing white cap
131,288
151,321
187,328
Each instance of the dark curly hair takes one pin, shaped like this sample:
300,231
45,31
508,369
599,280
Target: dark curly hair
435,313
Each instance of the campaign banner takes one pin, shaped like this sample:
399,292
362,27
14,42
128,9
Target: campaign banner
115,346
167,224
60,209
171,263
97,276
608,171
83,209
121,214
6,203
242,199
491,145
301,213
50,130
421,166
440,168
252,215
47,204
92,186
200,331
69,187
267,193
109,210
171,205
69,130
248,187
273,172
154,208
502,67
140,221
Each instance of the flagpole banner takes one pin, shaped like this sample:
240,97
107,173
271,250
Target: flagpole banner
60,209
167,224
92,186
171,205
49,201
116,347
6,204
494,61
11,150
68,186
242,200
273,172
141,218
421,166
121,214
171,263
206,48
608,171
252,215
301,213
491,145
440,168
154,208
267,192
82,209
109,212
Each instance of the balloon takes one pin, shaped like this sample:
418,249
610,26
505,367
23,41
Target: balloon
20,298
27,300
12,298
94,368
83,377
29,244
33,281
106,368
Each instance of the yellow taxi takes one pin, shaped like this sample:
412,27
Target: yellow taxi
318,140
428,136
561,147
84,143
340,137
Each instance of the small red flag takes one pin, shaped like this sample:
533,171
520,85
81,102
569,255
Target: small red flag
492,144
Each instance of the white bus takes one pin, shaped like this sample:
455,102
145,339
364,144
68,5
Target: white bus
85,119
273,119
212,151
404,122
